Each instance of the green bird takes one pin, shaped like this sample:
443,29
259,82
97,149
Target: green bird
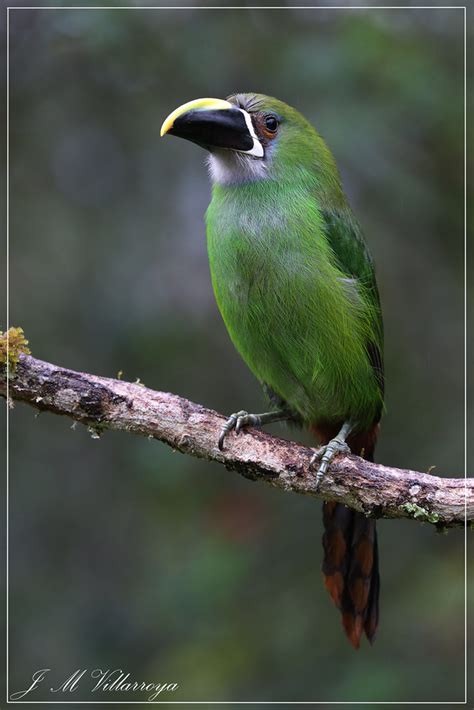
295,284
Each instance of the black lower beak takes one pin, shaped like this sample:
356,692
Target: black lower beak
218,128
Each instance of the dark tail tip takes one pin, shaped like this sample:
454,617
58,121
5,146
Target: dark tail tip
350,569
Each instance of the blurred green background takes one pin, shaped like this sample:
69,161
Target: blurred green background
124,554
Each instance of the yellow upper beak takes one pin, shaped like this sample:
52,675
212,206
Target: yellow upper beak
197,104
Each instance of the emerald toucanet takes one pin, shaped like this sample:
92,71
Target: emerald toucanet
295,284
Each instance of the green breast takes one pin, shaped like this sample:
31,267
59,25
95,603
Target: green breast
297,322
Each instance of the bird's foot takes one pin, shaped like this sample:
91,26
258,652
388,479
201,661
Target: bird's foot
326,454
237,422
242,419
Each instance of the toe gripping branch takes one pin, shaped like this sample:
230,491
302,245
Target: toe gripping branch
242,419
325,454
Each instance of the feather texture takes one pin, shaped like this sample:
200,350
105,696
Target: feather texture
286,302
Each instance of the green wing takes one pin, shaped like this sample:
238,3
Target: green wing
355,261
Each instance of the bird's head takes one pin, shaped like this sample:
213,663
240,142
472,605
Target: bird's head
253,137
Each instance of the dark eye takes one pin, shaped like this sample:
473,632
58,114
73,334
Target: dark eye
271,123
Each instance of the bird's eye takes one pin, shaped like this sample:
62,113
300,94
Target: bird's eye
271,123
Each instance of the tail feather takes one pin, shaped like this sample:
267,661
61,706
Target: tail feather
372,616
350,569
350,565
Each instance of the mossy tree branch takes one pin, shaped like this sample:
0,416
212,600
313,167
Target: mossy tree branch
102,403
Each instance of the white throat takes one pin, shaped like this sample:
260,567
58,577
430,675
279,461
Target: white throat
227,167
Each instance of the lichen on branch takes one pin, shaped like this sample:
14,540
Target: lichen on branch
12,344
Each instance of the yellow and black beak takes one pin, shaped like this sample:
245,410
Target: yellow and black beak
214,123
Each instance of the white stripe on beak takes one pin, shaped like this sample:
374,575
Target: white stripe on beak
257,148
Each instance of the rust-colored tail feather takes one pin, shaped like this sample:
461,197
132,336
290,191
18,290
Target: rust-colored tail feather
350,566
350,569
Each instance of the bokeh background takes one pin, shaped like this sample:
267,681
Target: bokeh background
124,554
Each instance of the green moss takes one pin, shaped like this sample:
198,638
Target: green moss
12,344
419,513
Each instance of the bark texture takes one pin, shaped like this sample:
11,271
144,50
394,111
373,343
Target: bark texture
102,403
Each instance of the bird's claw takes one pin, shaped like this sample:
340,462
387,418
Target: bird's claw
237,421
326,454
